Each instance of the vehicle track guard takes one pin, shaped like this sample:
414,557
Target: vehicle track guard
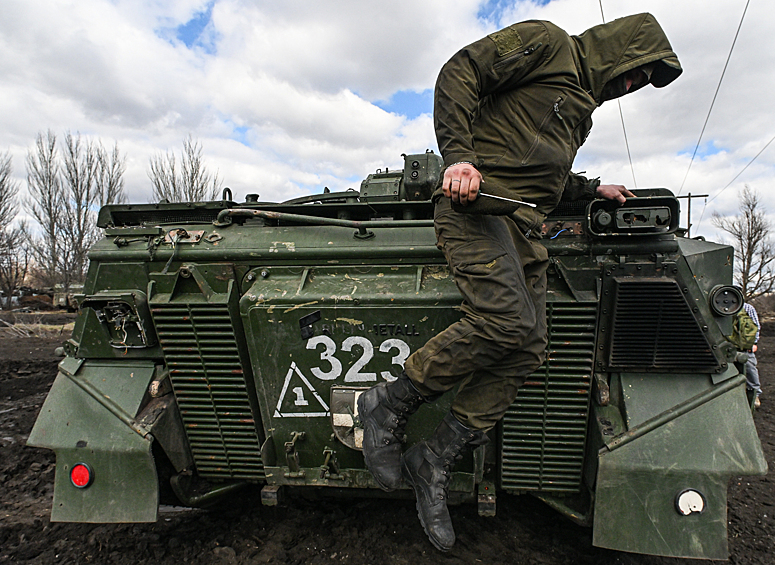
639,481
81,429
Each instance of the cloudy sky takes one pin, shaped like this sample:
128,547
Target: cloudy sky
289,96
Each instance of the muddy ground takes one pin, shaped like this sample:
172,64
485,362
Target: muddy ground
351,531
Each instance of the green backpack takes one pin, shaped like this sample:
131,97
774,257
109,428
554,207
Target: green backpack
743,331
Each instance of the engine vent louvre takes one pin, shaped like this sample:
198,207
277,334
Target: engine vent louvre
544,430
202,356
156,217
654,328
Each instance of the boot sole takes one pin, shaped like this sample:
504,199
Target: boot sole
417,494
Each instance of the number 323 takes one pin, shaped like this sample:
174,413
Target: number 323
354,374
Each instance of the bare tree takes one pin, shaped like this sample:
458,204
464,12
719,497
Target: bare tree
44,204
14,256
8,191
754,253
190,181
110,176
79,176
65,192
14,261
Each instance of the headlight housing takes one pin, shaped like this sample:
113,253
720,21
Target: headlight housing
726,300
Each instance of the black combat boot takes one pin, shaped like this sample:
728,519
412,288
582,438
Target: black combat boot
427,466
383,410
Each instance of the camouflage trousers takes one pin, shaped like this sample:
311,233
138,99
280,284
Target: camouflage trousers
501,337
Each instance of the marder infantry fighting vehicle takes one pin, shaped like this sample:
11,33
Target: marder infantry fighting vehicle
223,343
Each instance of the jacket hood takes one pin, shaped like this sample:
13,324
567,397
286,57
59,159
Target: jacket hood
607,51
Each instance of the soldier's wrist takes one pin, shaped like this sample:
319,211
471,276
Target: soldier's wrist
591,188
452,159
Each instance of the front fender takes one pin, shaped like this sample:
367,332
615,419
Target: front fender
707,440
88,417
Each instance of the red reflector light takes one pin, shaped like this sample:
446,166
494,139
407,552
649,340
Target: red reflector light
81,475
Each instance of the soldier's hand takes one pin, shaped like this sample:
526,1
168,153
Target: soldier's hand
614,192
461,183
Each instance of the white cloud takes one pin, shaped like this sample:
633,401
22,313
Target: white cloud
284,104
371,47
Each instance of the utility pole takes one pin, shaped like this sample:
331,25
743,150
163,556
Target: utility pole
689,210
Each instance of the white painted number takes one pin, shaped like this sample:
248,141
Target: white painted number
328,356
354,374
400,359
300,401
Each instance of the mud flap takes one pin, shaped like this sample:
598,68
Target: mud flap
665,492
88,418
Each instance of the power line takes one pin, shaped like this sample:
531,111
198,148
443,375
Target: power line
621,116
627,144
733,180
714,95
744,168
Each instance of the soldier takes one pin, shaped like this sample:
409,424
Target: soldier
510,112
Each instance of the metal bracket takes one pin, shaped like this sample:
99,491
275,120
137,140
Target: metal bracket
601,389
363,233
292,456
160,385
563,273
179,235
330,467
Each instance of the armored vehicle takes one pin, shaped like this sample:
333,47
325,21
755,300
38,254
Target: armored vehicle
220,344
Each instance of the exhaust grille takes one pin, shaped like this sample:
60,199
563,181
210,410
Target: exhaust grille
654,328
207,376
544,430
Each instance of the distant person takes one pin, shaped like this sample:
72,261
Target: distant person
751,366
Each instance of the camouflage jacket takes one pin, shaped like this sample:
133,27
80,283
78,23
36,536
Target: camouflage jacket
518,104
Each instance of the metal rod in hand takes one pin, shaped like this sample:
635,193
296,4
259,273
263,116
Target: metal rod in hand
507,199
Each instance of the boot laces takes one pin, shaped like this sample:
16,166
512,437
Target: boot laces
455,454
400,409
398,431
398,422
